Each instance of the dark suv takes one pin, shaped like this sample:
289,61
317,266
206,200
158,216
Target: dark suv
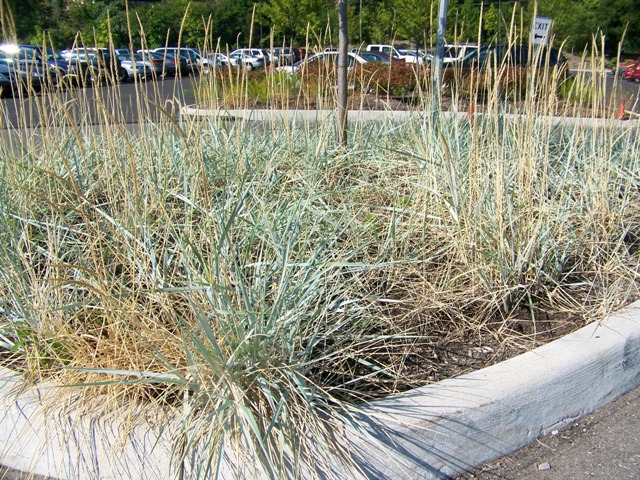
94,65
514,55
23,69
53,65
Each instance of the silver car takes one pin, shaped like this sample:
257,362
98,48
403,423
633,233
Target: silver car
137,66
244,59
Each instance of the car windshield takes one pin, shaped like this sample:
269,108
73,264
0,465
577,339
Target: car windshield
55,56
451,52
372,57
27,54
476,54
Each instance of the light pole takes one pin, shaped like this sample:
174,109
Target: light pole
343,47
437,70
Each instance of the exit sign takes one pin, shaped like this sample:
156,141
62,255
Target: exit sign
541,30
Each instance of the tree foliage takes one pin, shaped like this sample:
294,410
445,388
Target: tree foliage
262,22
299,21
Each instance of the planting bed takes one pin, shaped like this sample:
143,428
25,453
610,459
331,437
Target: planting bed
252,287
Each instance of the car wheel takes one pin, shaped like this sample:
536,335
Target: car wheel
92,75
67,81
122,75
54,77
249,67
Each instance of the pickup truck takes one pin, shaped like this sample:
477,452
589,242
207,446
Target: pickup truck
394,53
454,53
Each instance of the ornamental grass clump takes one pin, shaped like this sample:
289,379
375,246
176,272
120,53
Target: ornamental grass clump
254,285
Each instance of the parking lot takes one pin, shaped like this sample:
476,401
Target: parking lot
154,100
125,103
627,91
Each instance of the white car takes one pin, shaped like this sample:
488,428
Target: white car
216,59
419,56
328,56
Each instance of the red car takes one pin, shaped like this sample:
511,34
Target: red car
633,72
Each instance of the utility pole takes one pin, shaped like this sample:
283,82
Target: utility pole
343,48
437,69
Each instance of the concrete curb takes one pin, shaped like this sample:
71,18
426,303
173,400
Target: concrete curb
443,429
317,117
431,432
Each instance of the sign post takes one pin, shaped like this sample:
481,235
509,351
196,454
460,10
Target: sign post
541,30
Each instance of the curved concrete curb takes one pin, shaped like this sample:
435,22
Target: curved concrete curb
315,117
442,429
432,432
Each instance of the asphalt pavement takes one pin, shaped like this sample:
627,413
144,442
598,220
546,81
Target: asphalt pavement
126,103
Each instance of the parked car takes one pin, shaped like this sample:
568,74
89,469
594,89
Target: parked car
5,85
50,63
283,56
16,79
298,54
632,73
419,54
619,69
217,59
455,53
263,55
242,58
121,51
137,66
59,68
168,63
515,55
27,58
180,63
393,52
94,65
161,66
329,57
374,56
195,61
